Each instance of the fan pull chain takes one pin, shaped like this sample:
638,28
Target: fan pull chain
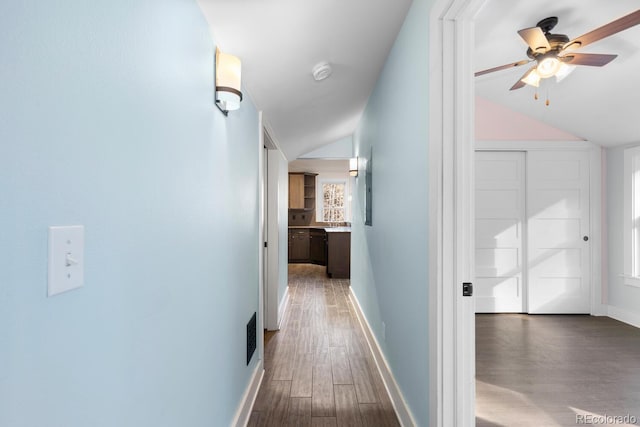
547,102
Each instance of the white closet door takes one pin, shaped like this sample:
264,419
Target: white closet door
500,214
558,231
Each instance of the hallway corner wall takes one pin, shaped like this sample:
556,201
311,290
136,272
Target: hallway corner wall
389,274
107,120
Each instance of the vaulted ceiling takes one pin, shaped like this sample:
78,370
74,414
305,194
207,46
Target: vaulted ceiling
599,104
280,41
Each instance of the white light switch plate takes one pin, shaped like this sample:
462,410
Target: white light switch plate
66,259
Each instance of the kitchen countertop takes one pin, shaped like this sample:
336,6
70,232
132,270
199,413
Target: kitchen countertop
319,227
338,229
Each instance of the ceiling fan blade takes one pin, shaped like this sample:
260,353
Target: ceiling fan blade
535,38
502,67
592,59
606,30
519,84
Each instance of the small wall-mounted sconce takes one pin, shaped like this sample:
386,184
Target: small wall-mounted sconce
228,80
353,166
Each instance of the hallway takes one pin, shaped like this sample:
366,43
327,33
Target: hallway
318,368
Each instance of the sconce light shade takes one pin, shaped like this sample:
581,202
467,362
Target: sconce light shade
228,82
353,166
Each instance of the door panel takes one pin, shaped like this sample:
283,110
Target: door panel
500,210
497,287
558,219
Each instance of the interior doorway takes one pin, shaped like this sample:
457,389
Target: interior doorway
265,239
272,241
533,249
452,251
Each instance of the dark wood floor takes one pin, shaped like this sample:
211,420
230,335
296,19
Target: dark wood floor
318,368
547,370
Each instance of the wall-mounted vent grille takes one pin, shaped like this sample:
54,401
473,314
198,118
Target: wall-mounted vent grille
251,338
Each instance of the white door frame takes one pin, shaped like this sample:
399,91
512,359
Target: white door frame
451,228
274,199
261,235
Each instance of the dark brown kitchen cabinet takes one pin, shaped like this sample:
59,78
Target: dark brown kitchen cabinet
318,247
299,245
339,255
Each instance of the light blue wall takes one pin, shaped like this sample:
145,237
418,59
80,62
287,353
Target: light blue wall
390,259
107,120
619,295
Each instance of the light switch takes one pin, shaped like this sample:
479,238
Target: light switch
66,259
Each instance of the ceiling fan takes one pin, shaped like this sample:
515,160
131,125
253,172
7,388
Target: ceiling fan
554,53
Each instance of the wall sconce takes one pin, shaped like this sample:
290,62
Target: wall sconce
228,79
353,166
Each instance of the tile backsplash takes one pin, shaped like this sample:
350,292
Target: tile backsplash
301,217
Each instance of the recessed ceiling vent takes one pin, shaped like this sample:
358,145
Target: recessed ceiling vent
322,71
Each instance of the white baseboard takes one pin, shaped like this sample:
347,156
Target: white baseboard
399,404
246,404
623,315
599,310
284,302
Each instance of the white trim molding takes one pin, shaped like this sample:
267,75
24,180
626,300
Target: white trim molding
597,230
631,213
633,281
623,315
262,200
451,219
395,394
248,399
533,145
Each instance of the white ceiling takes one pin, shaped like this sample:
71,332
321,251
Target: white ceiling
601,105
280,41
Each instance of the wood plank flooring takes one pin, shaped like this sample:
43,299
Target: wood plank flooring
319,371
548,370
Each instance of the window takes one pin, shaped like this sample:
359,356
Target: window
632,216
333,201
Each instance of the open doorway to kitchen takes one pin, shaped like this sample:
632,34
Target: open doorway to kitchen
319,215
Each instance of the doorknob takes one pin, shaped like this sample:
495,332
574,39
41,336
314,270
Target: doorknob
585,238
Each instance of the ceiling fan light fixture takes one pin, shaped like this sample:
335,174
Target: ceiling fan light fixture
548,67
549,50
532,78
564,71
